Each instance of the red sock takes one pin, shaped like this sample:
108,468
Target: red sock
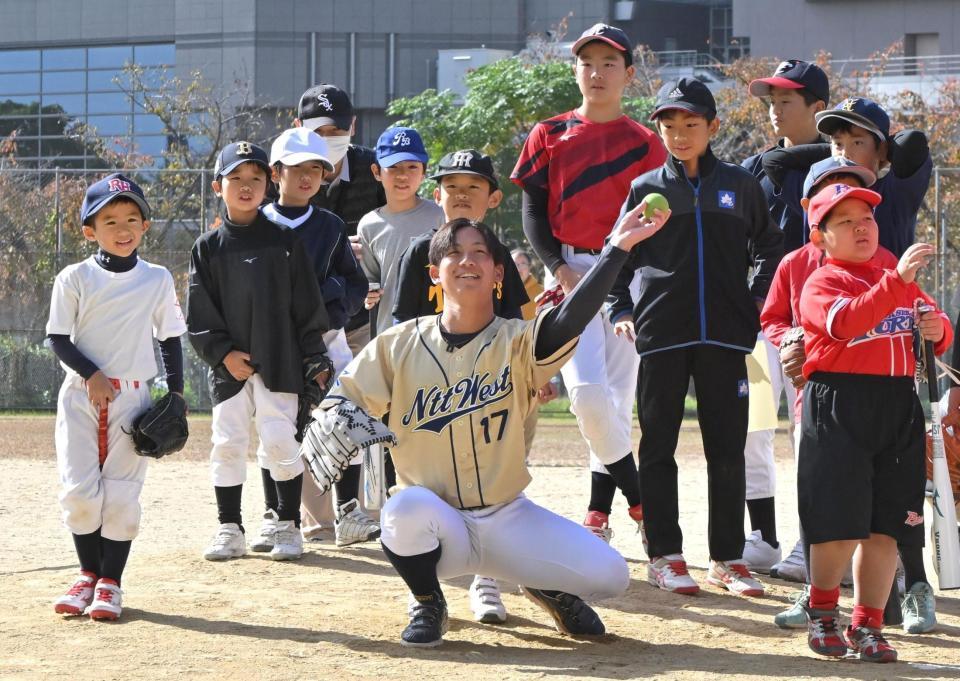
824,599
866,617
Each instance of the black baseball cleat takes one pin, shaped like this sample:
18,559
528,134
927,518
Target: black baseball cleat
428,623
571,615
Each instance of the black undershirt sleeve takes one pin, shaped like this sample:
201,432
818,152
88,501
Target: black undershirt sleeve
567,320
908,151
70,354
536,227
171,352
777,161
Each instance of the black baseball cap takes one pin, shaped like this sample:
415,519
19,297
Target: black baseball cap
468,162
687,94
234,154
325,104
110,188
864,113
794,74
611,35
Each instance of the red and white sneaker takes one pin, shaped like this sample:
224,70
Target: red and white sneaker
734,576
106,600
636,514
78,597
870,645
823,633
598,523
670,574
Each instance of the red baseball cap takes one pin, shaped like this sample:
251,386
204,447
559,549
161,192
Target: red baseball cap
827,198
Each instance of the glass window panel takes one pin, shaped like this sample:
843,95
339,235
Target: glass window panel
154,55
107,103
19,105
151,145
102,80
201,145
55,125
64,81
147,124
19,83
152,78
107,57
74,58
73,104
23,126
19,60
27,147
108,126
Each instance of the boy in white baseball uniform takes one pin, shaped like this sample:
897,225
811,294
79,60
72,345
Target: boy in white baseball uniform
459,387
104,314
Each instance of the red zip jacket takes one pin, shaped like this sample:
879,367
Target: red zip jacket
858,319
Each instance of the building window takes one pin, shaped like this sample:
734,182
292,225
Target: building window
917,46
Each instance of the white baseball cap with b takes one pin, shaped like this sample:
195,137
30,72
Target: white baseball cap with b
299,145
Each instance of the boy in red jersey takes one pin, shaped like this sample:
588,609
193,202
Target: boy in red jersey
575,171
861,464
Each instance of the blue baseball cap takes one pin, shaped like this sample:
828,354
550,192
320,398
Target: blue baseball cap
864,113
821,170
112,187
234,154
400,144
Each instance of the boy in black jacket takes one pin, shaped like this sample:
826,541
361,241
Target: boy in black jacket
696,316
256,316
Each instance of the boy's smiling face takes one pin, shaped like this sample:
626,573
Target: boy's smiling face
468,271
465,195
402,180
117,228
686,135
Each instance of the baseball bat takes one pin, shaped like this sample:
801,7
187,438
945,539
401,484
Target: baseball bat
374,466
946,542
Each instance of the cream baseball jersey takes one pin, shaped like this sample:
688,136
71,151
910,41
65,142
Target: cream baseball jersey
458,413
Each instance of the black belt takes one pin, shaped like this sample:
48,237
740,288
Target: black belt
591,251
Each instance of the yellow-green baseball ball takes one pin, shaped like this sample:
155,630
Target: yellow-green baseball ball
654,202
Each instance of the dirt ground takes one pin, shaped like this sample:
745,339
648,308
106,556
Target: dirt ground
338,613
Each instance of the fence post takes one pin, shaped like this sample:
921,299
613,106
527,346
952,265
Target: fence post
203,201
941,235
56,209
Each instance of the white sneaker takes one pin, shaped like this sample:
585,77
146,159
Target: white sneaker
734,576
670,574
106,600
228,543
485,601
268,528
78,598
759,555
354,526
792,568
288,544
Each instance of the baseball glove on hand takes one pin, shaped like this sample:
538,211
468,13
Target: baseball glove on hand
335,437
161,429
793,355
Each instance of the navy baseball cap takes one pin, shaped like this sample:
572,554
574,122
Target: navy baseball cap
112,187
687,94
794,74
864,113
234,154
325,104
400,144
611,35
828,167
468,162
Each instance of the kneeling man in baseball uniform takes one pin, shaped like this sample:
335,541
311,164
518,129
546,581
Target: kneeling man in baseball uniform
459,386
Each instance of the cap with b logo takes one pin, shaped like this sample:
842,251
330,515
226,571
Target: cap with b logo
325,104
838,165
112,187
794,74
400,144
467,162
864,113
685,94
611,35
827,198
234,154
299,145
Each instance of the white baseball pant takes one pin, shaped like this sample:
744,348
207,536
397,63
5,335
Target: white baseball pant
91,497
275,417
518,542
601,378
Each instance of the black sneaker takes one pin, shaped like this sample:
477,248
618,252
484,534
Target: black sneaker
571,615
428,623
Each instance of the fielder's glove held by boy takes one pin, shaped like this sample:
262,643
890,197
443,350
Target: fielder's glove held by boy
161,429
334,438
792,356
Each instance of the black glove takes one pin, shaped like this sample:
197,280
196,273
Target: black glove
311,396
161,429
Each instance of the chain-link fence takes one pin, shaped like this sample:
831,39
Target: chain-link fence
40,234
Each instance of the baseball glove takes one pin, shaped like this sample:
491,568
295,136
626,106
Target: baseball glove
161,429
793,355
312,394
335,437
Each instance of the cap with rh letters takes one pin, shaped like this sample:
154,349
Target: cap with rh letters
234,154
864,113
835,165
827,198
299,145
467,162
110,188
794,74
686,94
611,35
325,104
400,144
